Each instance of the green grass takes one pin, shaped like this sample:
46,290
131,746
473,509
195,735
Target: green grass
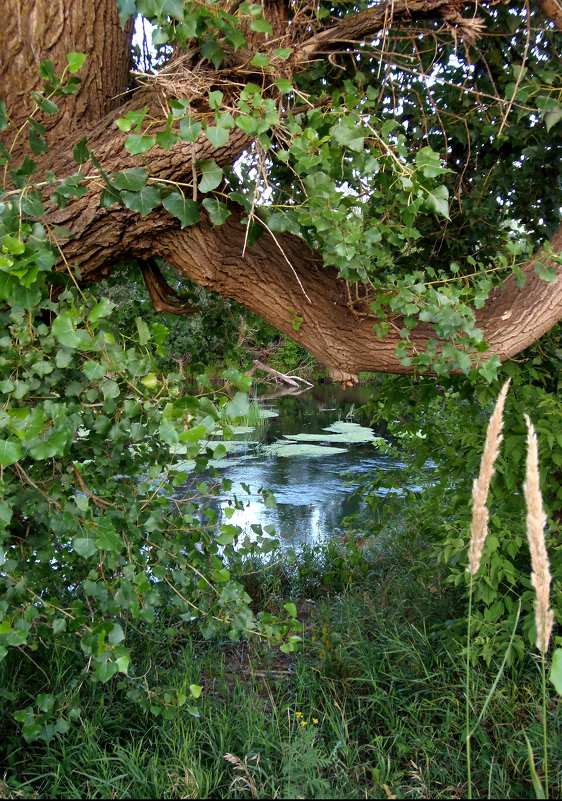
379,671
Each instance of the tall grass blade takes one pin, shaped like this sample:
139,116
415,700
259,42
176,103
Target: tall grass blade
478,534
481,487
537,786
498,674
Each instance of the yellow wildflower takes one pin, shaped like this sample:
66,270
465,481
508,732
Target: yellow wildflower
303,723
298,714
315,721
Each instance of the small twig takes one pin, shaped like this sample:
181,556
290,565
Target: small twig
99,502
26,478
521,69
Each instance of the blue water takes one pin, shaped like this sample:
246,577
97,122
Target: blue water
313,494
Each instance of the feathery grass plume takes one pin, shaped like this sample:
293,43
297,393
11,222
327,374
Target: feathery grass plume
536,520
481,486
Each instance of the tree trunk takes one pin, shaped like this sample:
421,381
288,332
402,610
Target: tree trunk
281,279
36,30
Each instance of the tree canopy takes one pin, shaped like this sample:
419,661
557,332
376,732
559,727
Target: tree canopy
379,181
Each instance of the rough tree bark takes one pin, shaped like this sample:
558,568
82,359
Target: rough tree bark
277,278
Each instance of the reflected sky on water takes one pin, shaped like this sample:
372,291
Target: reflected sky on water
313,494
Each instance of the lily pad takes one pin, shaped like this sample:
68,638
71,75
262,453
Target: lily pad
360,435
281,448
266,414
230,446
343,427
242,429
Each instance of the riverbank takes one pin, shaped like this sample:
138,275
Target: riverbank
371,706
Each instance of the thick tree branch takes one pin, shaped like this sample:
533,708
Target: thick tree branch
371,21
330,328
271,280
164,298
553,10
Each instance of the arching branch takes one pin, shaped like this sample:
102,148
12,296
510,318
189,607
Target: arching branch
164,298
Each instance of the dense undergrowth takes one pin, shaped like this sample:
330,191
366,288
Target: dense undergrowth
372,706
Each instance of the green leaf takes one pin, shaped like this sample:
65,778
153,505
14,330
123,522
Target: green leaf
438,201
106,670
144,332
195,690
348,133
116,635
123,661
545,272
215,99
53,445
47,72
552,117
261,26
59,625
159,332
93,370
126,8
10,452
150,380
226,537
187,211
174,8
15,246
102,309
167,433
252,126
260,60
429,162
110,389
217,210
159,36
537,785
142,201
284,85
3,116
213,52
283,52
291,609
124,124
388,127
75,61
63,330
217,136
189,129
107,539
193,434
166,139
555,675
80,152
132,180
138,143
239,406
44,103
211,175
84,546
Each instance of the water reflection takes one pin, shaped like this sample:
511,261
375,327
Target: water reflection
313,494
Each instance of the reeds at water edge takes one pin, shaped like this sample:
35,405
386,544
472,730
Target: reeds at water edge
536,520
481,486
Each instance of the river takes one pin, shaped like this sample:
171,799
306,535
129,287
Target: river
313,493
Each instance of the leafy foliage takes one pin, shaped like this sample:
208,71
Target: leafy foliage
93,546
445,424
427,204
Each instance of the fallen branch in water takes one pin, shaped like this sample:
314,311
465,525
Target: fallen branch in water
291,380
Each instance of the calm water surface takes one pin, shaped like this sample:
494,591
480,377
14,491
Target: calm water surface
313,494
